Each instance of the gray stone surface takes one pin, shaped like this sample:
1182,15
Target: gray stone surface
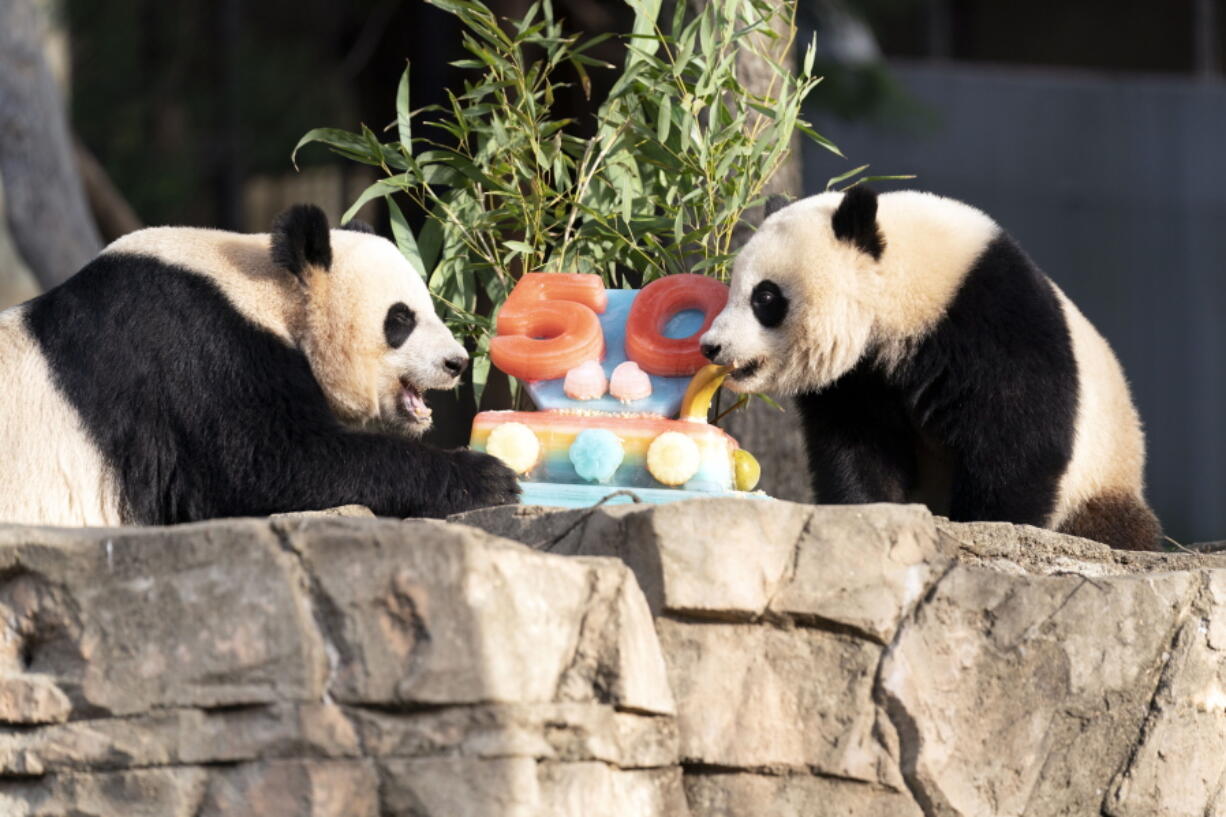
1179,765
1022,549
163,792
776,699
873,659
783,660
31,698
1046,678
860,567
564,732
123,621
424,613
293,788
186,736
735,794
298,665
521,787
717,559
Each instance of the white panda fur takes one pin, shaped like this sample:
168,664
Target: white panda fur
877,296
51,472
187,373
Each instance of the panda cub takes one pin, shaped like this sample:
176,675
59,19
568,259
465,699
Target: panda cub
187,374
932,361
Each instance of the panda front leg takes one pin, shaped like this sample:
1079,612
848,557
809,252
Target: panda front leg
861,446
467,480
392,476
1006,484
1009,460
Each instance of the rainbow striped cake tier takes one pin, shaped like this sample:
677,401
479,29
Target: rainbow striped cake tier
573,457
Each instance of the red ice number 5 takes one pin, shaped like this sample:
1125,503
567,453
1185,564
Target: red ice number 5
660,300
548,325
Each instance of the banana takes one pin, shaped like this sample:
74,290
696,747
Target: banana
696,404
701,391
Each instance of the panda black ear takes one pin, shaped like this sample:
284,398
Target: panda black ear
855,220
358,226
300,238
774,204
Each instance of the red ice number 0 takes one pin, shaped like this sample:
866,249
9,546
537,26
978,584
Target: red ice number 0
660,300
548,325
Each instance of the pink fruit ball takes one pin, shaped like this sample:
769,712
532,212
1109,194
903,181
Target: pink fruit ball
585,382
629,382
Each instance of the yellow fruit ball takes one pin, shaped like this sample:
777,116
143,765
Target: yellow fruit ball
745,469
515,445
673,458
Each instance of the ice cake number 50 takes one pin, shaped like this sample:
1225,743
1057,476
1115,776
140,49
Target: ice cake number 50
549,325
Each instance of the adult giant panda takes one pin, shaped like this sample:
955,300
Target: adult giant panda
934,362
188,373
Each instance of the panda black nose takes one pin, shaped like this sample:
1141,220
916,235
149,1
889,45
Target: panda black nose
710,351
456,365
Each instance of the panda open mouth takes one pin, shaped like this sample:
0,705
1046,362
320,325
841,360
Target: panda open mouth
747,371
414,404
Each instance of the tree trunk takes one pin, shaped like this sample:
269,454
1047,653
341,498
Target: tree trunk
16,282
774,438
109,209
47,214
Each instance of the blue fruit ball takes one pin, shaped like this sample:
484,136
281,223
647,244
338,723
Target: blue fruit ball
596,453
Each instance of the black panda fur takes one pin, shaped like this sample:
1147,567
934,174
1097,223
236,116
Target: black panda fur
198,412
975,413
970,386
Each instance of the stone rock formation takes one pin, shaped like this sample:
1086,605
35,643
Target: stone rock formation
713,657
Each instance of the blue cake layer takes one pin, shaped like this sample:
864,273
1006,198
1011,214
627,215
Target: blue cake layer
558,495
666,392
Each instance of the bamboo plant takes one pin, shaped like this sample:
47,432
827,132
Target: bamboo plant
682,149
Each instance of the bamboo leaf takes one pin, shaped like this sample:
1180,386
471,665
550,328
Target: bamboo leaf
481,374
403,234
817,137
664,119
381,188
430,243
520,247
350,145
646,14
845,176
872,179
806,69
404,119
768,400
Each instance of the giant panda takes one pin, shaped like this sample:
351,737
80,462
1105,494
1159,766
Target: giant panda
186,374
932,361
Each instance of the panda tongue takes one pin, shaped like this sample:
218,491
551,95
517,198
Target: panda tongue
415,404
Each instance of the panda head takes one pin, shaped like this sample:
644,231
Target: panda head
366,324
800,312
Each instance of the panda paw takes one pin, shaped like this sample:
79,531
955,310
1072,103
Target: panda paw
483,481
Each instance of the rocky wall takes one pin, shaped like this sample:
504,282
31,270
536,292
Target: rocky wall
714,657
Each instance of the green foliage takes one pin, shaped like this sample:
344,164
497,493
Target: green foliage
681,150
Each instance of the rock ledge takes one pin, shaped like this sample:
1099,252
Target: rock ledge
712,657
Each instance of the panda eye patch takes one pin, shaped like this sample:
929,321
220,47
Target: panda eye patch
768,304
398,325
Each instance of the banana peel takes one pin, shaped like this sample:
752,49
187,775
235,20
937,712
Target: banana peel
698,395
695,406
